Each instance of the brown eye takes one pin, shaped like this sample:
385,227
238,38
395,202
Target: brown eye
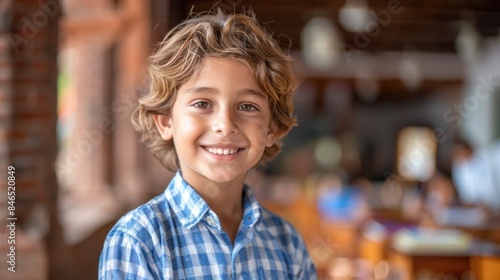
247,107
201,105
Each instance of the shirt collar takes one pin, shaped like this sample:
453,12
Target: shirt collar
251,207
186,203
190,207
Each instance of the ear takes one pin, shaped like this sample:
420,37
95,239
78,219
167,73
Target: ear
164,125
272,134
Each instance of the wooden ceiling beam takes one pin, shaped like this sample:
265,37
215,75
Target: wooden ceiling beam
428,25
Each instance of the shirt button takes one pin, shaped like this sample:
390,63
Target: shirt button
211,221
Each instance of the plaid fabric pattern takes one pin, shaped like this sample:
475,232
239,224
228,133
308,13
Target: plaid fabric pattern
177,236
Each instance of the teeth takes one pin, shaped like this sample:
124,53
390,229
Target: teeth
220,151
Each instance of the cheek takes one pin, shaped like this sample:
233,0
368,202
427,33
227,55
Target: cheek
187,129
259,134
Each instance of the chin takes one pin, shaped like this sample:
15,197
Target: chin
222,177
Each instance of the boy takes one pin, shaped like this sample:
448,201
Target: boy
220,101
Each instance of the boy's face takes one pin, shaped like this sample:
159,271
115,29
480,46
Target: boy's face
220,123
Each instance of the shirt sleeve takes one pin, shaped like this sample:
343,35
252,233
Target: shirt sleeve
124,257
308,270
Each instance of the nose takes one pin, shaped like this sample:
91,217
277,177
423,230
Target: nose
224,122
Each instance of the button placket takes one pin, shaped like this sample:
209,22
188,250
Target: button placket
211,221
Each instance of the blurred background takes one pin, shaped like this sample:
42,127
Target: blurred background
392,173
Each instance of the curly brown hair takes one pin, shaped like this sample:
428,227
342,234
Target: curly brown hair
220,35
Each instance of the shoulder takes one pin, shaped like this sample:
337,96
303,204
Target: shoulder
275,223
134,246
144,222
284,232
291,243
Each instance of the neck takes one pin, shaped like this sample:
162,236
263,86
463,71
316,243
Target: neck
226,200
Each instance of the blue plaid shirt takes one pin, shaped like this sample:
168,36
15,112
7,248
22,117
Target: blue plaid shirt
177,236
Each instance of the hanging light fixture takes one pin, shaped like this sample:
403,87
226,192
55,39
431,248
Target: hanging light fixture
467,41
320,43
354,15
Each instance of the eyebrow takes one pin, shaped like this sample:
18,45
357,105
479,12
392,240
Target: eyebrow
250,91
246,91
200,90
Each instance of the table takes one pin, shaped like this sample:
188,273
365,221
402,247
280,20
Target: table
481,261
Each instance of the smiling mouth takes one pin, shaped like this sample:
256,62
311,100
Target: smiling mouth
222,151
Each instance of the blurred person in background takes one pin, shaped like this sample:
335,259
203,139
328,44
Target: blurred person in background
440,193
337,201
476,175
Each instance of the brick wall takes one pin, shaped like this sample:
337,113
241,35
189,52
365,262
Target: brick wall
109,41
28,98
